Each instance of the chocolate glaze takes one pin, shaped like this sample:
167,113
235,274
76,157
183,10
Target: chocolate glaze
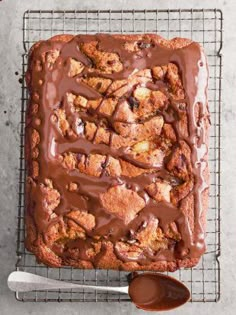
52,95
157,292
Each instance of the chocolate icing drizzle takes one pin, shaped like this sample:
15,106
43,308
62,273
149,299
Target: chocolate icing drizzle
51,95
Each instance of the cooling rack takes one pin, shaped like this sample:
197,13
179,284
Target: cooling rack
204,26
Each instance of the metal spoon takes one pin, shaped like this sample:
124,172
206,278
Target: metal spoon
149,291
21,281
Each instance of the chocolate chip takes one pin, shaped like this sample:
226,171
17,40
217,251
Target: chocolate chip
174,181
131,234
92,64
99,85
79,157
111,62
172,243
133,103
104,164
79,127
183,158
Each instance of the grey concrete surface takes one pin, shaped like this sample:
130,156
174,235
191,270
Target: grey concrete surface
11,12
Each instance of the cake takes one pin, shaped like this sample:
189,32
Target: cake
116,151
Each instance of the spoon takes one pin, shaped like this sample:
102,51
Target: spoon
149,291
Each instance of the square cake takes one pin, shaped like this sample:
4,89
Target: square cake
116,150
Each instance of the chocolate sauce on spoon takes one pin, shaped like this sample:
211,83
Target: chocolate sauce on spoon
157,292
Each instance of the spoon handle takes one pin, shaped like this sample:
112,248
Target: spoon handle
24,282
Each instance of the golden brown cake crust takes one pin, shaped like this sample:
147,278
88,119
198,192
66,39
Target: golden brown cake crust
116,149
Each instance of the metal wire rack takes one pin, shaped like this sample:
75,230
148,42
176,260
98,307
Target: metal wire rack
204,26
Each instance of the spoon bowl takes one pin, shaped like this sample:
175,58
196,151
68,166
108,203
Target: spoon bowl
157,292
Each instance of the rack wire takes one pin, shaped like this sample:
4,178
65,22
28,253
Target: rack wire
204,26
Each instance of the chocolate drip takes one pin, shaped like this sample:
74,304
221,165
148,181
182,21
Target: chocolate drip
87,198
